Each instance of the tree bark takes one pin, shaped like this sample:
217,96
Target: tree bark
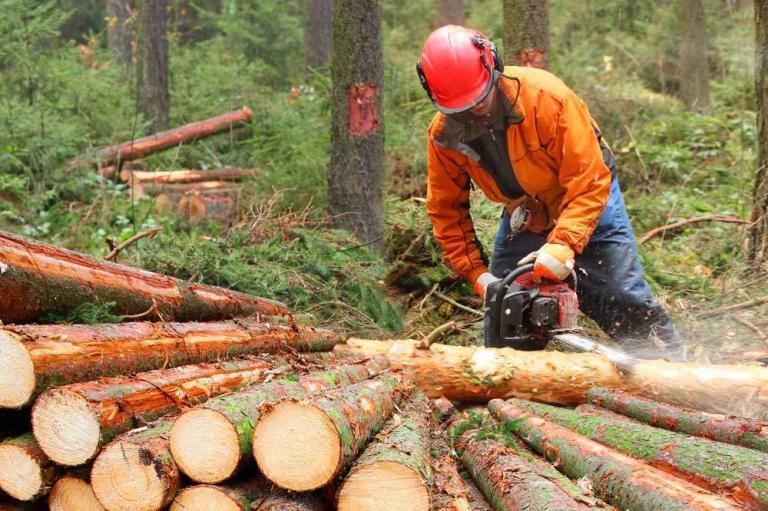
154,95
186,176
139,148
327,431
318,24
26,473
72,422
449,12
731,430
355,177
120,32
213,442
693,66
526,33
36,357
736,471
136,470
618,479
394,471
757,253
43,279
73,492
478,374
252,494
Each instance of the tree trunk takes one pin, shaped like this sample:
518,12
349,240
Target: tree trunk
72,422
449,12
326,431
731,430
355,177
186,176
508,481
394,471
526,33
26,473
212,442
120,31
136,470
618,479
465,373
252,494
318,21
736,471
46,280
139,148
758,247
35,357
693,66
154,95
73,492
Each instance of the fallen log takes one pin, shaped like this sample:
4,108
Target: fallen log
254,494
186,134
185,176
179,189
394,471
73,492
71,423
475,498
35,357
43,279
618,479
26,473
325,432
731,430
738,472
213,441
465,373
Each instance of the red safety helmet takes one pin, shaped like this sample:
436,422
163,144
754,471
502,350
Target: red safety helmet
456,68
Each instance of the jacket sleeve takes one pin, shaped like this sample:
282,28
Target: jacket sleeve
583,174
448,208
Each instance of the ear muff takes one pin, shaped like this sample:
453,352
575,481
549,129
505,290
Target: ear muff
481,42
423,79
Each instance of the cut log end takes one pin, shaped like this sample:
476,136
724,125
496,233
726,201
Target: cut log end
405,489
21,476
73,494
125,478
204,498
297,446
66,428
205,445
17,373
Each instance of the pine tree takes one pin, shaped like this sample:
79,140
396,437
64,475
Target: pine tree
526,33
154,97
758,247
693,69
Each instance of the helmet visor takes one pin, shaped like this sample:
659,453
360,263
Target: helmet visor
465,108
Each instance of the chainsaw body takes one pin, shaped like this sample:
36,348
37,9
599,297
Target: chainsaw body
520,313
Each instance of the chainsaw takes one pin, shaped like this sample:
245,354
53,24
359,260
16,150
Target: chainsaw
526,315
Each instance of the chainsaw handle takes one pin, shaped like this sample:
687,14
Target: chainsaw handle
509,278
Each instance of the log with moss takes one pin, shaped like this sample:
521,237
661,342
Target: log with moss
43,279
618,479
35,357
302,445
733,430
466,373
26,473
739,472
394,471
72,422
253,494
213,441
73,492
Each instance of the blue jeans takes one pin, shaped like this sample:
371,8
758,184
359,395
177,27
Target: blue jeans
613,291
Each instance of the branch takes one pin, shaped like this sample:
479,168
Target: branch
733,308
436,334
753,327
682,223
151,233
458,305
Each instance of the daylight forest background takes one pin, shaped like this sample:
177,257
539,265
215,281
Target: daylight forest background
672,84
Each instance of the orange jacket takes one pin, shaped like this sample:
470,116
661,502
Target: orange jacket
556,159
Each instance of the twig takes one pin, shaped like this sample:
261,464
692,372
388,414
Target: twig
732,308
457,304
362,244
151,233
753,327
436,334
682,223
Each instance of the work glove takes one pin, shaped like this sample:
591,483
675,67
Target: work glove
483,281
551,262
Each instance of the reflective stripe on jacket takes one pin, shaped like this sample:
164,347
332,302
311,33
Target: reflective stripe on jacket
555,155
